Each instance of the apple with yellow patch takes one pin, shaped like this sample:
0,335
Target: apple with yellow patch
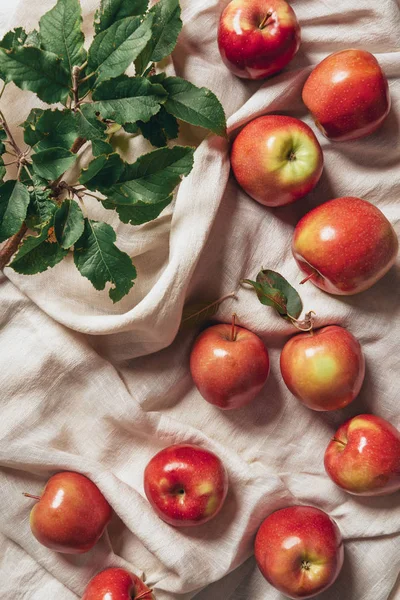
299,550
323,368
185,484
363,456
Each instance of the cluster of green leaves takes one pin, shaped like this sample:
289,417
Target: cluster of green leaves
98,98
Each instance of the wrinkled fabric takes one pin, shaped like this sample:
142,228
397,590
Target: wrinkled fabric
99,388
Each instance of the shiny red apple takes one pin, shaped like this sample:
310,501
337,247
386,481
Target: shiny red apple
345,245
363,456
70,515
323,368
277,159
299,550
258,38
117,584
348,95
229,365
186,485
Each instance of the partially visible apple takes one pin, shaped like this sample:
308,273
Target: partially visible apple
348,95
70,515
323,368
185,484
363,456
299,550
345,245
117,584
258,38
229,365
277,159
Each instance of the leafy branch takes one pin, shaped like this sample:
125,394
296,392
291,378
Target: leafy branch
42,217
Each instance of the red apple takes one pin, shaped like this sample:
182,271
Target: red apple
299,550
117,584
348,95
345,245
258,38
363,457
323,368
229,365
70,515
186,485
277,159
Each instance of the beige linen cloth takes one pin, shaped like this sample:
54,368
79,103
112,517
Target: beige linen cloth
99,388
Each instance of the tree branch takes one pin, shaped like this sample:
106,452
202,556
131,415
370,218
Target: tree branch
11,246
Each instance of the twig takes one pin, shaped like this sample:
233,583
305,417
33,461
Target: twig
11,246
75,86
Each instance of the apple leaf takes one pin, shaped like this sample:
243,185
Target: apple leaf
41,207
269,296
61,33
114,10
38,253
167,26
99,260
139,213
36,70
45,129
52,163
14,200
152,178
102,172
197,106
114,49
127,99
294,304
161,128
68,224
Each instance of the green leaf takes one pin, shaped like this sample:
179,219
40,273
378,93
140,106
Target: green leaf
45,129
198,106
98,259
33,39
89,126
114,49
41,208
13,39
35,70
114,10
294,305
3,169
99,147
14,200
128,99
132,128
167,26
152,178
61,33
102,172
3,137
38,253
52,163
269,296
69,224
161,128
139,213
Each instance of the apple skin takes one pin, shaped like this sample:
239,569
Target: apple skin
348,95
71,515
229,373
277,159
117,584
363,457
345,245
254,47
324,368
299,550
186,485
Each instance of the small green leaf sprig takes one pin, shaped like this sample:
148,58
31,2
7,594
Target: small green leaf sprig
42,217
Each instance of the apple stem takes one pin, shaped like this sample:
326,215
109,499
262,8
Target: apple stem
338,441
30,496
143,594
233,331
307,278
307,324
265,20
